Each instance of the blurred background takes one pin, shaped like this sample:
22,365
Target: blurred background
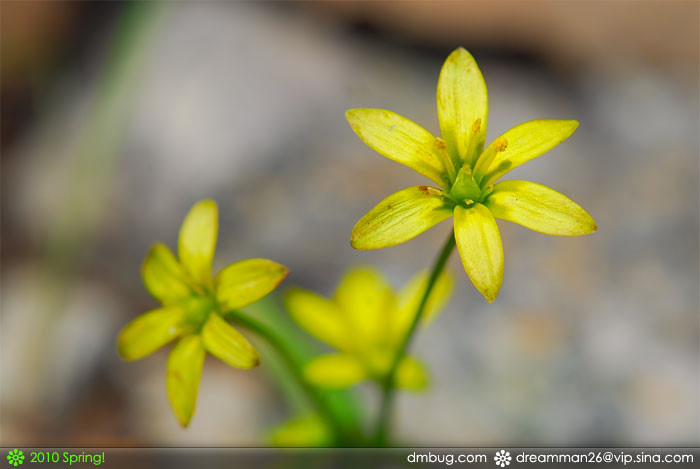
117,117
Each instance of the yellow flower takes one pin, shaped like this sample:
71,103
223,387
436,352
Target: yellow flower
193,304
465,172
365,321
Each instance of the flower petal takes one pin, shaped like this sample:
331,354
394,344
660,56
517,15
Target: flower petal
463,106
400,217
519,145
163,275
197,240
308,431
411,295
479,245
227,344
182,380
244,282
539,208
150,331
410,374
319,316
368,303
401,140
335,371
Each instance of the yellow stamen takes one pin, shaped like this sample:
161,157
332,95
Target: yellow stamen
476,125
470,156
482,164
500,144
441,146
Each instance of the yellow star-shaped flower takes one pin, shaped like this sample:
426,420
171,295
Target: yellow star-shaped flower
466,173
365,321
193,305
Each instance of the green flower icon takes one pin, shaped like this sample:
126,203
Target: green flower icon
15,457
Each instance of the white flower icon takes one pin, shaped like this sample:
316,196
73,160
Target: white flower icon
502,458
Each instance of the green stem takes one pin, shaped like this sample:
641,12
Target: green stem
382,430
293,363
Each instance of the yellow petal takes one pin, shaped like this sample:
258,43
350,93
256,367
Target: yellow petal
539,208
247,281
197,240
150,331
479,245
182,380
368,303
400,217
319,316
163,275
411,295
303,432
401,140
227,344
519,145
410,374
335,371
463,106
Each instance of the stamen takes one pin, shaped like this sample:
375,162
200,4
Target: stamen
441,147
484,162
500,144
476,125
471,156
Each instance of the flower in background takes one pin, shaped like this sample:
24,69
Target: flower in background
466,173
193,304
365,321
309,431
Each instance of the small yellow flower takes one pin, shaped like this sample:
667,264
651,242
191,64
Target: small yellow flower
465,172
365,321
193,303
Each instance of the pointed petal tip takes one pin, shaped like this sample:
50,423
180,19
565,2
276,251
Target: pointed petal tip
184,422
352,116
285,274
254,362
208,201
356,241
573,125
591,227
460,51
122,350
123,353
491,294
204,204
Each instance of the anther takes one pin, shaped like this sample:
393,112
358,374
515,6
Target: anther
500,144
476,125
440,144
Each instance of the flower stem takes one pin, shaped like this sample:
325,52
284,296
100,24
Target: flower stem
294,364
382,430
